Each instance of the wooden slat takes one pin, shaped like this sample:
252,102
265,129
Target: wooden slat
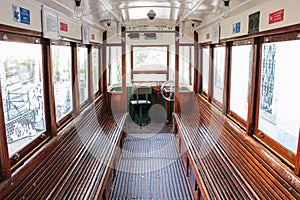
226,165
79,163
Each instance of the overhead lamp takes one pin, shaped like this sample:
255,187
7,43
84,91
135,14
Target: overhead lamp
226,9
77,10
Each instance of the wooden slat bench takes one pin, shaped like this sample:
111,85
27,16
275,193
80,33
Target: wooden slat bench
227,163
79,164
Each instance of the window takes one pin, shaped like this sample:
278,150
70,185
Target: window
186,65
218,80
114,63
83,73
279,107
62,81
150,63
22,93
95,61
240,80
205,69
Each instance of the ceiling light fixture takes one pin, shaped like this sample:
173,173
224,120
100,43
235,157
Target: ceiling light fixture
77,10
226,9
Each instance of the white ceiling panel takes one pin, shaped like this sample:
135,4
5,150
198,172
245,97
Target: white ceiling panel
134,12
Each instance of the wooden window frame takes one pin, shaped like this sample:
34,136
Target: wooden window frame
96,48
68,117
89,99
10,164
133,71
106,66
287,155
230,113
201,47
219,105
190,59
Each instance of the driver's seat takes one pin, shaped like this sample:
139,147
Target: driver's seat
140,101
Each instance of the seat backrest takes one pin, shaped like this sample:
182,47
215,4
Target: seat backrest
141,90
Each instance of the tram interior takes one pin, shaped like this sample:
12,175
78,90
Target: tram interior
131,99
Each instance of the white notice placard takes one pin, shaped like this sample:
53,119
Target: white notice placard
50,23
215,34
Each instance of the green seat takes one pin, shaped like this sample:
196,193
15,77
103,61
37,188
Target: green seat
140,102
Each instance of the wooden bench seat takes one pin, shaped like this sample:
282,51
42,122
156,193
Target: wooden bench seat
226,166
79,165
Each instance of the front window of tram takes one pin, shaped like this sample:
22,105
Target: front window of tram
22,93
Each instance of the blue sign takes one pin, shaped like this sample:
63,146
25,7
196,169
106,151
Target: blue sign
21,15
236,28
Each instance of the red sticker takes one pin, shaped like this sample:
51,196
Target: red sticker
276,16
63,27
93,37
207,36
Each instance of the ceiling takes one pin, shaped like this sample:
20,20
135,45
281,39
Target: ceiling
134,12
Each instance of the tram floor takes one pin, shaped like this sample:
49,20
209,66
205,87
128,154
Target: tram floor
150,168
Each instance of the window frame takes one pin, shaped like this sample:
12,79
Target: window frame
96,48
86,101
286,154
133,71
230,113
214,101
29,149
62,122
191,62
202,92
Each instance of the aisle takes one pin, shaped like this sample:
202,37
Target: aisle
150,168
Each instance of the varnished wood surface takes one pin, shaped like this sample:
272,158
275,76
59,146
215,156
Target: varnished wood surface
79,164
229,164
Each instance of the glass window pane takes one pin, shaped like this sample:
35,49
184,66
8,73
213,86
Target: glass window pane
219,65
186,66
114,69
22,93
95,61
83,73
279,109
62,81
150,58
240,80
205,69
